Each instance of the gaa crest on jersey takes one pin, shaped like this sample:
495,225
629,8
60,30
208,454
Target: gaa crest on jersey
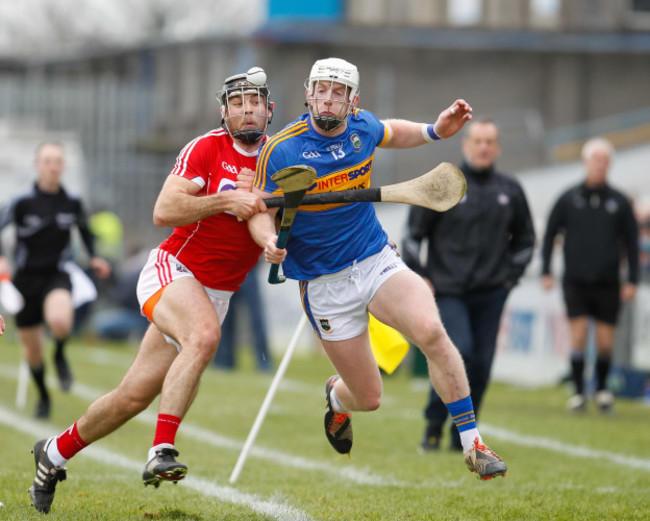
356,142
325,325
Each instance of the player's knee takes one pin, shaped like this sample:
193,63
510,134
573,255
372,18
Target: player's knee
372,403
205,342
60,326
430,335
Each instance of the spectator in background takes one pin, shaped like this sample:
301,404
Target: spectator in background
599,228
44,218
477,251
122,318
248,299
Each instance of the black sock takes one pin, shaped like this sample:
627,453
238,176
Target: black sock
577,371
58,349
603,363
38,374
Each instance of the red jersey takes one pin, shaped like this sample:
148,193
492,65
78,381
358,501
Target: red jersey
218,249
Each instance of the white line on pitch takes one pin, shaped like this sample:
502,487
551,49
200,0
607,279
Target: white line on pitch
281,512
577,451
348,472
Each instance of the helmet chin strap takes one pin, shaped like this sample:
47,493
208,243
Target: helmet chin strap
248,137
328,122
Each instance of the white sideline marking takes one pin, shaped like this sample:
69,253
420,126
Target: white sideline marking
348,472
281,512
578,451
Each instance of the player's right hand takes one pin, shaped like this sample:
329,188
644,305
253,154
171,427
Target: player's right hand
245,204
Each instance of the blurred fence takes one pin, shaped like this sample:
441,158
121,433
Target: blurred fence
109,118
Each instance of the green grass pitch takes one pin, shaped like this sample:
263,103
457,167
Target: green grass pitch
560,467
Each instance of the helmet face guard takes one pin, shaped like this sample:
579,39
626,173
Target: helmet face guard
245,96
321,87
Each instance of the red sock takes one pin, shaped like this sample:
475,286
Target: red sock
166,429
69,442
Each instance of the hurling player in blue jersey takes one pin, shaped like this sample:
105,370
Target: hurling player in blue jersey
344,262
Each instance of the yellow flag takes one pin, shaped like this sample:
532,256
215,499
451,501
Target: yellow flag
388,345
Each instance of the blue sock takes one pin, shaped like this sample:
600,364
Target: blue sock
462,414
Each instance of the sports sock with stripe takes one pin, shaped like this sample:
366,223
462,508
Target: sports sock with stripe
65,445
166,429
462,414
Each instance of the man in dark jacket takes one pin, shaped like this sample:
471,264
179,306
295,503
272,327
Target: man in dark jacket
44,219
598,224
477,251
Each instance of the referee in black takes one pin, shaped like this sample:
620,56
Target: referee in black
43,220
476,254
599,229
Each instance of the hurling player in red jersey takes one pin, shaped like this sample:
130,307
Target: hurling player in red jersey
184,287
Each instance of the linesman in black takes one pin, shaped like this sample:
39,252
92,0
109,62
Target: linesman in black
43,220
477,252
599,230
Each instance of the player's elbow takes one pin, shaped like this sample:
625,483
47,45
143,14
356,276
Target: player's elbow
162,217
159,220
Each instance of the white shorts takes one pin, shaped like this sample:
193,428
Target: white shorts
161,269
337,303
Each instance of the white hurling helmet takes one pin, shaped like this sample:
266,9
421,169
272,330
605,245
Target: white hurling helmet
338,71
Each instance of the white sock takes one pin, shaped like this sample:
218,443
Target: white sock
54,455
152,451
467,438
336,404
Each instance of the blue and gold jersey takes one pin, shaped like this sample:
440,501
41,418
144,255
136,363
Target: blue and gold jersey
327,238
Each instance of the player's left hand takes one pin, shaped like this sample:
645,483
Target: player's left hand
273,254
245,179
101,267
2,325
452,119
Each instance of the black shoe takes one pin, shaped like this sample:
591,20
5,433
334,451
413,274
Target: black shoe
47,475
163,466
63,371
42,409
431,438
338,427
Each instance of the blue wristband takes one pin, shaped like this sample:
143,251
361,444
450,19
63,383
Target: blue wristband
429,134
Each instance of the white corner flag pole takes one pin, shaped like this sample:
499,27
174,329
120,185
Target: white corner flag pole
267,400
23,382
